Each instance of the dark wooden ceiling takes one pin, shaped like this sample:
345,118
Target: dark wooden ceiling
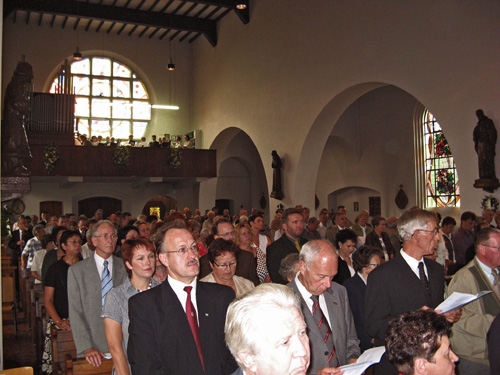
161,19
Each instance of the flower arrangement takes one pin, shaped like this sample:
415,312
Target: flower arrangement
489,202
50,157
174,158
121,156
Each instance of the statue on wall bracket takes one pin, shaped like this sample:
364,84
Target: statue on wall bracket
277,192
485,139
15,147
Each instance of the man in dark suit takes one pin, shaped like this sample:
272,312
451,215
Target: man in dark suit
18,239
247,264
178,327
291,242
408,282
334,341
87,292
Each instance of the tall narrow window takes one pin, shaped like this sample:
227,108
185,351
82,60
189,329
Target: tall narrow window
441,179
110,99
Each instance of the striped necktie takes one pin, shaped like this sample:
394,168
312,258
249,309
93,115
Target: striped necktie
106,282
324,328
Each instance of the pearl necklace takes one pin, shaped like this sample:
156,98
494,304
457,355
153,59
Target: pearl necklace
149,286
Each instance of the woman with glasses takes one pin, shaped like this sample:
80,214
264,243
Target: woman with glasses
365,260
140,258
56,291
222,258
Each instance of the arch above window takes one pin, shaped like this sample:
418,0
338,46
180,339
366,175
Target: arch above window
436,164
111,100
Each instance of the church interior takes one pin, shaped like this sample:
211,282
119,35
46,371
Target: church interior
339,89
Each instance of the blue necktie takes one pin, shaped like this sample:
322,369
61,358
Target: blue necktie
106,281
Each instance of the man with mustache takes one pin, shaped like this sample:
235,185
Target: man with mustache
178,327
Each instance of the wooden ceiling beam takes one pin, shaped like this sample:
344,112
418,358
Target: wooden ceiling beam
92,11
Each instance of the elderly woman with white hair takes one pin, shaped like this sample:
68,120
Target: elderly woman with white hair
266,333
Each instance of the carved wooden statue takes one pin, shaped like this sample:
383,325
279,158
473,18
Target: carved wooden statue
485,139
277,192
15,148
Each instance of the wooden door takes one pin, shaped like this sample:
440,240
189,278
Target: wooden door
54,208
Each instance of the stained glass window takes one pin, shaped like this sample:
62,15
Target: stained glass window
442,189
110,99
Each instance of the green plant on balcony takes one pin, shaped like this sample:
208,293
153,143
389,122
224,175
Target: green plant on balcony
174,158
121,157
50,157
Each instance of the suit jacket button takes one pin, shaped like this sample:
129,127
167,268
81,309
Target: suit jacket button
326,353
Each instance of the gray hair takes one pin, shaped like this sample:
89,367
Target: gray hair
413,220
249,317
37,229
99,224
311,249
287,266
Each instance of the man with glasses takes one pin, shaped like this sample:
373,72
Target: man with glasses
407,282
463,237
246,267
178,327
88,283
469,333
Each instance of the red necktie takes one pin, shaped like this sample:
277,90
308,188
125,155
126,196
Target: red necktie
193,322
324,327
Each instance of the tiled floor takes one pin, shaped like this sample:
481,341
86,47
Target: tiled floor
18,350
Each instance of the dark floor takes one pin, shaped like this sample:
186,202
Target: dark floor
18,350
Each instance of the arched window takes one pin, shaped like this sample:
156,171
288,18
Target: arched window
111,100
441,179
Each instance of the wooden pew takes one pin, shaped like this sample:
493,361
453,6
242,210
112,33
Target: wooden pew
80,366
63,345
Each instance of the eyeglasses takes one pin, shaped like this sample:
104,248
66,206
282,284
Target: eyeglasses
373,264
79,242
232,234
184,250
497,248
108,236
434,232
226,265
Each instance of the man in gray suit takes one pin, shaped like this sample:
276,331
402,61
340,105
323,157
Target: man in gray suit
87,291
326,309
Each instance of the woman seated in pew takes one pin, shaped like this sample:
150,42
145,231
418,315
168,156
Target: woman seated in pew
56,291
140,258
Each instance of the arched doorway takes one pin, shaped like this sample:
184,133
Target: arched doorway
160,206
108,205
241,176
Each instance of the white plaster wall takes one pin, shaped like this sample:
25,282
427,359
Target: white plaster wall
133,200
371,146
46,48
274,76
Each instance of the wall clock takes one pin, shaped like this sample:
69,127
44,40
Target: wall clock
18,207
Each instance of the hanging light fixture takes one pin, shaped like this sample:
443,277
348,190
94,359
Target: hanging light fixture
171,65
241,6
77,55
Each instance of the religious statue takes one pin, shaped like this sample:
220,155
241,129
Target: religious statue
15,147
485,139
277,193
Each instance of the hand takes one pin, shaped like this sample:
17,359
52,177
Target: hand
93,356
64,325
330,371
20,243
353,360
452,316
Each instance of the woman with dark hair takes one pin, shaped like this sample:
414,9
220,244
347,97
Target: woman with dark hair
56,290
365,260
139,257
378,238
222,258
53,255
345,242
128,232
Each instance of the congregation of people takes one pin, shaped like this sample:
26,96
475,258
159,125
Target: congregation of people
216,293
163,142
